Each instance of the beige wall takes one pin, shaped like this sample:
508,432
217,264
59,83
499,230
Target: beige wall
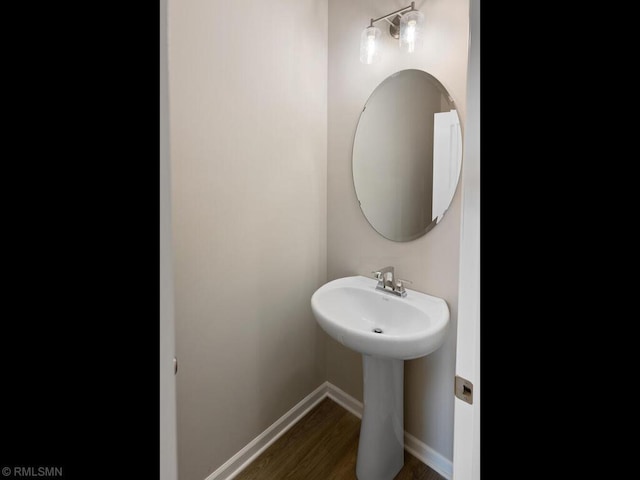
248,101
353,247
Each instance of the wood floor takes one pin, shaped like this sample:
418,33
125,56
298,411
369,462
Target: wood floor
323,446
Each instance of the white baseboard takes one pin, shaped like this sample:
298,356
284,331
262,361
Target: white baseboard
345,400
428,456
232,467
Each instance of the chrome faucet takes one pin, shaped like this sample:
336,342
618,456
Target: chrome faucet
388,283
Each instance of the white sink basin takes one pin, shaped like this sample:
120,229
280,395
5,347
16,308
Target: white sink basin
373,322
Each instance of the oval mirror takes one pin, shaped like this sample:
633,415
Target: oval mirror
407,154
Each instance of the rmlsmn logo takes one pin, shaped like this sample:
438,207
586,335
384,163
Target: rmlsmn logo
32,471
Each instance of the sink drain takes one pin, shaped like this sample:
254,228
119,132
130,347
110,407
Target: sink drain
377,330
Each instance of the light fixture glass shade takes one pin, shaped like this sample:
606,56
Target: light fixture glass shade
370,45
411,31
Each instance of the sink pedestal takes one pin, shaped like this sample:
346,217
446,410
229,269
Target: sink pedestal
381,444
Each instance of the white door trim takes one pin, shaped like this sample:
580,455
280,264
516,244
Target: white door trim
466,430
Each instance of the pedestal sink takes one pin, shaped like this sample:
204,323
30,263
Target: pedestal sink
386,330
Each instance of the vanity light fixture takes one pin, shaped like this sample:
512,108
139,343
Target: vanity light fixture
407,25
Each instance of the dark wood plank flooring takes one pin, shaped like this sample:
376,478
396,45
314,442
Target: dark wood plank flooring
323,446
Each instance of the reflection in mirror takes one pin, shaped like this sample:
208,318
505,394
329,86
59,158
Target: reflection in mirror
407,155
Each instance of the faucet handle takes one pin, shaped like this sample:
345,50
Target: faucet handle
400,283
377,275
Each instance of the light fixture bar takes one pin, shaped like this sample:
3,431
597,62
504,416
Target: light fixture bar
384,17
